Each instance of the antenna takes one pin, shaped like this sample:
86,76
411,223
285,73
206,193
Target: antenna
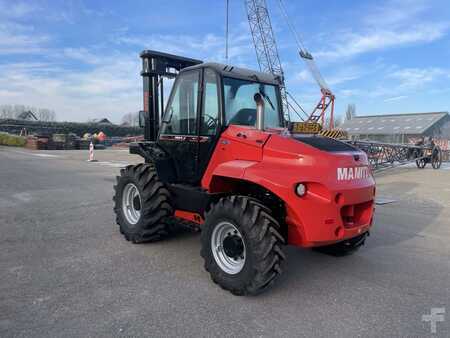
226,31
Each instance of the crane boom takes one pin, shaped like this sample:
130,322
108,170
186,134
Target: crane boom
265,45
327,99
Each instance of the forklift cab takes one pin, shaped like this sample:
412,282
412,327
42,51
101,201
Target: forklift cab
205,99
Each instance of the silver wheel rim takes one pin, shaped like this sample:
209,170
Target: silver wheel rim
131,203
224,234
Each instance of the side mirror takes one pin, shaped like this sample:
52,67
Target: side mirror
142,118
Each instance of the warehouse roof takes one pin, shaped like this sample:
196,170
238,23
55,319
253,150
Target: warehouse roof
416,123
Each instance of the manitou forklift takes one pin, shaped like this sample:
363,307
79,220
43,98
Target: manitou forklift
219,156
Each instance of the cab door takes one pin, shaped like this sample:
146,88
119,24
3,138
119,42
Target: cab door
179,135
209,119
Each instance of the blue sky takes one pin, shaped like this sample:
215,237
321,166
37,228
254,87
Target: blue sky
80,58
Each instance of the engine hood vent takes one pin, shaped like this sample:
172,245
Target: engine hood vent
325,143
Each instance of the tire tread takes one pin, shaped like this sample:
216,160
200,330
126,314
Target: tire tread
157,209
262,230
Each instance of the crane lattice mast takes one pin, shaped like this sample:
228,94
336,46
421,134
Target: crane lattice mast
265,45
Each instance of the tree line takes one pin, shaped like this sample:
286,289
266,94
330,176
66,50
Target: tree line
131,119
18,111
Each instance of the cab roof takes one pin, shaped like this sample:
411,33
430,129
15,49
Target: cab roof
237,73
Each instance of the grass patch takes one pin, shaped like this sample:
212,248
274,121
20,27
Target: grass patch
12,140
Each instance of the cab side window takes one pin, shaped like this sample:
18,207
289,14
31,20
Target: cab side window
181,113
210,114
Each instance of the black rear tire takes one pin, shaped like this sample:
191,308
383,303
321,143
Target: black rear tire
155,221
344,248
261,238
436,158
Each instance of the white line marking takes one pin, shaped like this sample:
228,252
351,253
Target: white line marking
35,154
113,164
45,155
384,200
22,196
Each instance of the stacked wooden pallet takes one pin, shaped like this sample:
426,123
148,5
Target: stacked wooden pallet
37,142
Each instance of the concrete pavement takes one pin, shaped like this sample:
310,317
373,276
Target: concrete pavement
65,270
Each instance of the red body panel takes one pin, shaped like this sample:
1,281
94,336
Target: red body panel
189,216
333,209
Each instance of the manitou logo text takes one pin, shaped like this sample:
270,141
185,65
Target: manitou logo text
355,173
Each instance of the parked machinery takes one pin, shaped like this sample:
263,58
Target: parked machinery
221,158
383,155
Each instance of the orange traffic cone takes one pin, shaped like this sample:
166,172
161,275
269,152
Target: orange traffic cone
91,153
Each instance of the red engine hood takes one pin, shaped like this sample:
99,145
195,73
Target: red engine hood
323,160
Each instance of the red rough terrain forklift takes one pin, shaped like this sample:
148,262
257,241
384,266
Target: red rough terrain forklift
220,157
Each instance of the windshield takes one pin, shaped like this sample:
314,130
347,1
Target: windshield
240,107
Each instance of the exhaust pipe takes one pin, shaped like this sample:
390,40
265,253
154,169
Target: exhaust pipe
259,111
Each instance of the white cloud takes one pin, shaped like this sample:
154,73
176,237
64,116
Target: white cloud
396,98
82,54
390,24
346,74
412,78
352,44
173,43
110,89
395,12
338,77
110,85
17,9
304,76
19,39
207,47
81,82
349,92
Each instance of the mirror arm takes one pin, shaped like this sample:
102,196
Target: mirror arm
259,100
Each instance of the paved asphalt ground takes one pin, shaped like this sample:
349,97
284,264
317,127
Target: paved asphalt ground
65,270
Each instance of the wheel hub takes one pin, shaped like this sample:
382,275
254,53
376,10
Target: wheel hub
233,246
137,202
131,203
228,247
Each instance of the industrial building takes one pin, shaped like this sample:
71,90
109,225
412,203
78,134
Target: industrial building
400,128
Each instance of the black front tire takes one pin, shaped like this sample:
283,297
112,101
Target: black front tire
263,244
155,221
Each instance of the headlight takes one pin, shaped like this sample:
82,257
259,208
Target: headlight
300,189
